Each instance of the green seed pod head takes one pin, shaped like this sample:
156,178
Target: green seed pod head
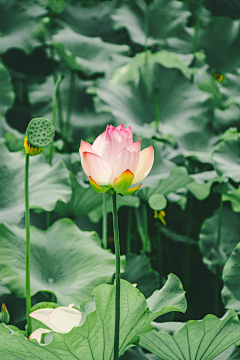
40,132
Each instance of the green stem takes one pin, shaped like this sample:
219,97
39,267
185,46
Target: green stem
197,25
157,113
146,30
129,231
70,102
217,246
195,36
54,110
27,225
188,249
117,253
104,221
160,253
142,227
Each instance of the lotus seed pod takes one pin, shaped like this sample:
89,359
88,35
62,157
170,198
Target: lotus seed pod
40,132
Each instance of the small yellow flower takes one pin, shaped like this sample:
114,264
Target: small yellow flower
218,77
30,149
160,216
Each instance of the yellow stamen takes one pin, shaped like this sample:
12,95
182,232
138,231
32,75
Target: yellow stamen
30,149
218,77
160,216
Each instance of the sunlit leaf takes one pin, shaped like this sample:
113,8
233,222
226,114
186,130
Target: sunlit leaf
64,260
226,157
204,339
94,339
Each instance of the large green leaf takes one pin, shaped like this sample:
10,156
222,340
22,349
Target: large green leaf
231,289
85,123
83,200
64,260
19,24
226,157
169,60
94,339
6,90
196,340
202,182
134,103
213,253
46,185
89,53
167,19
220,40
177,178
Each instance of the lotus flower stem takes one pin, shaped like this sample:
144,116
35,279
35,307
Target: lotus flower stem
129,231
54,110
69,107
217,245
104,221
188,246
117,253
27,225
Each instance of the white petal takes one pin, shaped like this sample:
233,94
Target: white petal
145,164
85,146
37,334
127,159
63,319
96,167
42,315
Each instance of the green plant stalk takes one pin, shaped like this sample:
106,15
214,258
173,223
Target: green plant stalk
146,29
70,102
160,248
54,111
27,225
188,249
196,30
117,300
218,244
142,223
157,113
129,231
197,25
104,221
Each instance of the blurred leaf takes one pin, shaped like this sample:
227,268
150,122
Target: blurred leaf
202,184
224,8
223,119
138,270
232,353
6,90
19,24
46,185
204,339
51,253
234,198
134,103
92,54
82,342
230,228
177,179
220,40
168,19
130,200
85,123
230,134
83,200
226,157
169,60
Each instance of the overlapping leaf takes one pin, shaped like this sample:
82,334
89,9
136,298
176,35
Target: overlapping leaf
94,339
46,185
64,260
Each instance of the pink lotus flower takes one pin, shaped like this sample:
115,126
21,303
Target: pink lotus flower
61,320
113,161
